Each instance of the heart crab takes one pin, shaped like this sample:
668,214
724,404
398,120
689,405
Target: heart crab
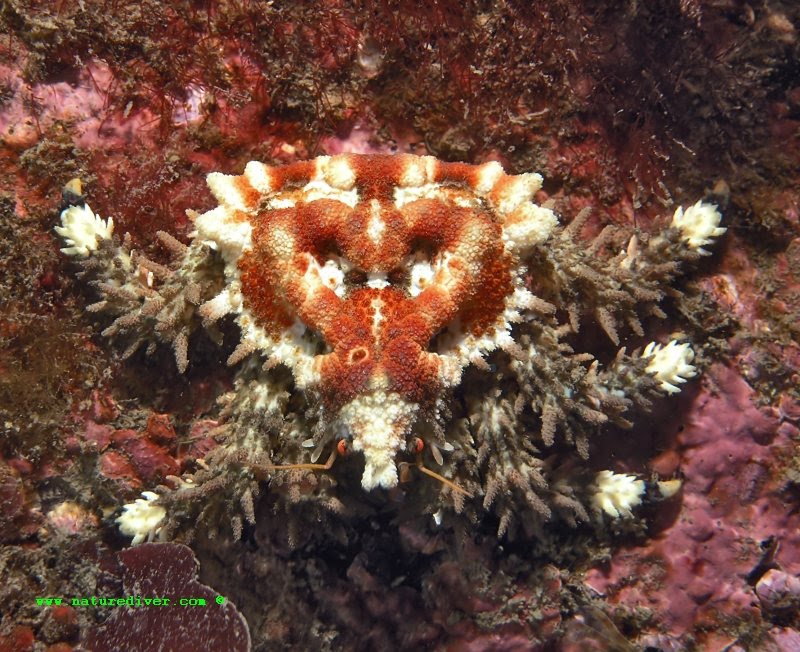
378,281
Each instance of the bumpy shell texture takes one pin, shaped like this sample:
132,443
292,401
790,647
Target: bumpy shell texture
345,269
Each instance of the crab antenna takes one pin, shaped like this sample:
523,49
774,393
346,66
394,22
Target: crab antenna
443,480
309,466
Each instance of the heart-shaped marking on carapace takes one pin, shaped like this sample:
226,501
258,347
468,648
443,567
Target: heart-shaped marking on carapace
376,279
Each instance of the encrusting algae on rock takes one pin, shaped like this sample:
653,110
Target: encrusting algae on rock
422,309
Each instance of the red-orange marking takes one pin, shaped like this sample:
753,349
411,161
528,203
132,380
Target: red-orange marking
275,292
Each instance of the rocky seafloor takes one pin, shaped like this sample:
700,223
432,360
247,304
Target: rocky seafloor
629,109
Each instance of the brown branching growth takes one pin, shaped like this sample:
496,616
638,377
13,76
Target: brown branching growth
614,281
152,303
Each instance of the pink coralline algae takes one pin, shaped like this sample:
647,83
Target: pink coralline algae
419,313
167,571
134,458
732,553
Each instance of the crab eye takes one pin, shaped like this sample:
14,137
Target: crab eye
416,445
341,447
